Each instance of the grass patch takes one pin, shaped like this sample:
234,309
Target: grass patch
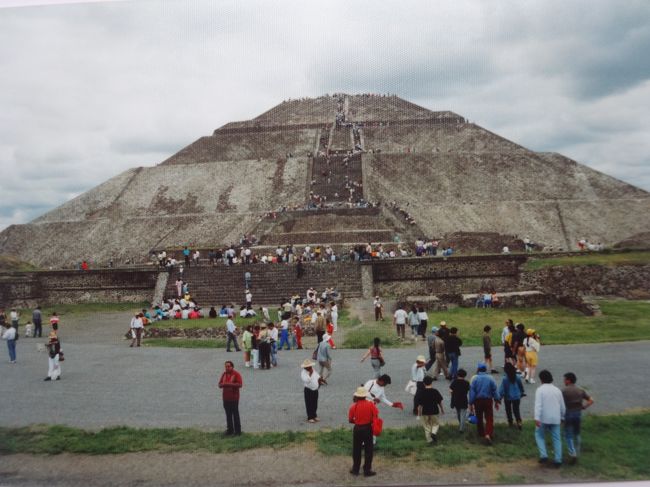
614,447
621,320
59,439
600,258
363,336
184,342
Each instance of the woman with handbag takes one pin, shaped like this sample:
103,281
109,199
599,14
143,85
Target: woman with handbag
362,414
376,357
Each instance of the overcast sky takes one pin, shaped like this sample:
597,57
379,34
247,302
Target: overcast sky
90,90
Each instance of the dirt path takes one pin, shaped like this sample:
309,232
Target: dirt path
291,466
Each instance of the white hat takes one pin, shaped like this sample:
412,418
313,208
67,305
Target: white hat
307,363
361,392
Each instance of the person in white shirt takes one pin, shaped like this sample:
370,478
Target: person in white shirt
399,320
249,299
377,393
9,334
273,335
549,414
231,331
136,329
379,309
334,315
311,381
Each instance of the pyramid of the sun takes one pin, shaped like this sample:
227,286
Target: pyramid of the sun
451,175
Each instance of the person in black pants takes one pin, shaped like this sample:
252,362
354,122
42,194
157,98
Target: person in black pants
312,382
230,383
264,346
37,319
362,414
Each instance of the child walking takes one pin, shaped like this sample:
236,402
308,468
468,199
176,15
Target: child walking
459,389
429,404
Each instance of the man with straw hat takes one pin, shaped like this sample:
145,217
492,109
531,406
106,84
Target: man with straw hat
417,376
312,381
362,414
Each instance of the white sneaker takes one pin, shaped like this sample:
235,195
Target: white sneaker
531,381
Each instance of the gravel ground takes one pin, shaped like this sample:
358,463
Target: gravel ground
106,383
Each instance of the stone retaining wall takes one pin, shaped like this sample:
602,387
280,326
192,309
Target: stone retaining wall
69,287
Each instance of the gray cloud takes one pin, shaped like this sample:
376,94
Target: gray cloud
94,89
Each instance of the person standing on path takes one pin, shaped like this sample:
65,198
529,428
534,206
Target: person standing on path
324,358
399,321
483,395
429,402
487,348
247,345
54,322
549,414
424,322
459,388
531,344
37,319
230,383
452,347
511,391
417,376
9,333
379,309
54,358
414,322
137,326
284,332
376,357
362,413
575,399
311,381
15,317
231,334
441,361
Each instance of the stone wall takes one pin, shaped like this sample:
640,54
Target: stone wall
63,287
631,281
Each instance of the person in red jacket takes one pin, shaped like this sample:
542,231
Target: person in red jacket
230,383
361,414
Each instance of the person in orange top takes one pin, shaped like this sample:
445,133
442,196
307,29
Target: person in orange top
361,414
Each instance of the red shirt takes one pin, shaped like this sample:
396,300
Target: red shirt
362,412
231,383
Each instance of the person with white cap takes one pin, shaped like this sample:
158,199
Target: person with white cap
362,413
417,376
312,381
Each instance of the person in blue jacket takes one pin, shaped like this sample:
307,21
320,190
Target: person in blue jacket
511,391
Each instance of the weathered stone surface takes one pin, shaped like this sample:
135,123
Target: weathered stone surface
451,175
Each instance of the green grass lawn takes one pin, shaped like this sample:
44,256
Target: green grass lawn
614,447
600,258
621,321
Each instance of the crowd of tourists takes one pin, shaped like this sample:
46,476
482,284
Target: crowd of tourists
473,397
10,332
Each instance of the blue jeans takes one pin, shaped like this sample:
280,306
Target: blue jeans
284,338
274,353
231,338
540,433
11,345
572,432
453,360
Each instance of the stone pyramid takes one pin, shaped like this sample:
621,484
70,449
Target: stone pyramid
451,175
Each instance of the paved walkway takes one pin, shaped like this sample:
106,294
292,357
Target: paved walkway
106,383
